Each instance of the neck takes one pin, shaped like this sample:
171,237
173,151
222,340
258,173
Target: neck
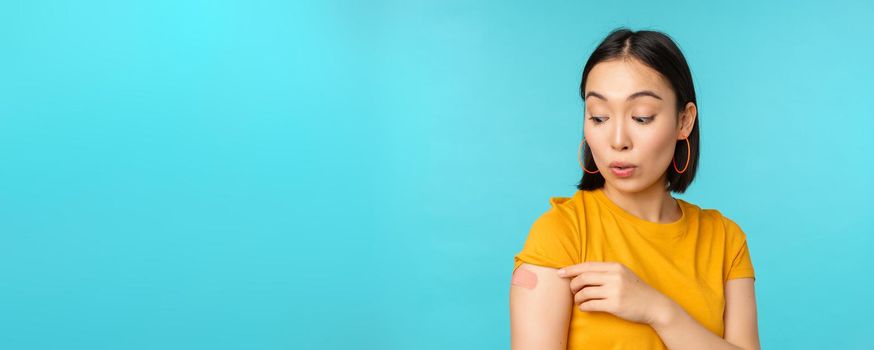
653,204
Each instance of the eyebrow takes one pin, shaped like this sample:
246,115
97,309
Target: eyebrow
630,97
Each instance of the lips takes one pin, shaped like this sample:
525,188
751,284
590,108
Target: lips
622,169
622,172
621,165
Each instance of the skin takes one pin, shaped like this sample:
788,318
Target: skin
540,316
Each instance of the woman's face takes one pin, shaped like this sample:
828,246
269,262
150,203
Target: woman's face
631,117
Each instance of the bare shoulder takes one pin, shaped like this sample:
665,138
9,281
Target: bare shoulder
540,308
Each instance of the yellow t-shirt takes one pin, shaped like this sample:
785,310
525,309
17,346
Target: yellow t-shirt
688,260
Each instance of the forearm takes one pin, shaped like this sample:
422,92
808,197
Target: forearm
680,331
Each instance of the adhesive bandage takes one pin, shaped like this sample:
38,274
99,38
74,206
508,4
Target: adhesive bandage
524,278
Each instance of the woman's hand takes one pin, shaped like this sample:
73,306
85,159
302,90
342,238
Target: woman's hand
612,287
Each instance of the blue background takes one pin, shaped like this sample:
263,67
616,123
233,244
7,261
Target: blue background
334,175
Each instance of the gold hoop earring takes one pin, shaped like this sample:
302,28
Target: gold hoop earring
579,158
688,157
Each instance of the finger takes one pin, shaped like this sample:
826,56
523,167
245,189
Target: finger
573,270
589,293
595,278
595,305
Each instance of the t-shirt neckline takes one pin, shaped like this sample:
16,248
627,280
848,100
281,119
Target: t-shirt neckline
672,228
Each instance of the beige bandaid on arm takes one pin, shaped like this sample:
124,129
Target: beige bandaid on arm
540,308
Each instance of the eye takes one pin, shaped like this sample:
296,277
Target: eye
645,120
597,120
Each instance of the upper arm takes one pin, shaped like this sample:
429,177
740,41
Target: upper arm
540,315
741,320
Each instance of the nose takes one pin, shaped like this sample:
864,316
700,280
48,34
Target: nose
619,138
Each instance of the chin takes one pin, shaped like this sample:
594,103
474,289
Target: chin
624,186
629,185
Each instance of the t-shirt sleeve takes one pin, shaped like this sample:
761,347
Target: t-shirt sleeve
553,240
737,258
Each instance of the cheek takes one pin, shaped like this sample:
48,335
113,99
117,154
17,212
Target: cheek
595,144
658,149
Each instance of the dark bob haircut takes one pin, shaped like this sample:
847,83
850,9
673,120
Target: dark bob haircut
658,51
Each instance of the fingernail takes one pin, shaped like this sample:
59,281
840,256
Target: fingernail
561,272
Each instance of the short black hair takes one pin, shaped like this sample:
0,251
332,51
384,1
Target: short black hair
658,51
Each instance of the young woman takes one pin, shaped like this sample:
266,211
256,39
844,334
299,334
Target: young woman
622,264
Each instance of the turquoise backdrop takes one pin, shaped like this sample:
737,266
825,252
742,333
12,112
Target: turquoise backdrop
359,175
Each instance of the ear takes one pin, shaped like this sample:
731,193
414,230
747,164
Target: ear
687,120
